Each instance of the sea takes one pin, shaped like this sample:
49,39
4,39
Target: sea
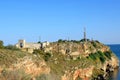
116,49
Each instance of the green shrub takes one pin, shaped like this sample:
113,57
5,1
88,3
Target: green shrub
92,56
1,44
11,47
108,54
94,44
97,41
101,54
83,40
98,56
47,56
38,51
60,40
102,59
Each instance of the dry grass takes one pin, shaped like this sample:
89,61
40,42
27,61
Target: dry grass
8,57
14,75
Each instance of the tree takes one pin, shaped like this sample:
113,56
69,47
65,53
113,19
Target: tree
1,44
11,47
83,40
60,40
39,42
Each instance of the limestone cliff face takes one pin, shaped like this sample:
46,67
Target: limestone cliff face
83,74
85,50
86,73
114,63
32,67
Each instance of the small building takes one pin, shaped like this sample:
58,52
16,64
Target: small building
22,44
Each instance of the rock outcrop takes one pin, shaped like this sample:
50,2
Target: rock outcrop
34,68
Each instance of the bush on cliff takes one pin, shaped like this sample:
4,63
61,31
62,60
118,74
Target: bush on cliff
11,47
108,54
101,56
38,51
1,44
45,55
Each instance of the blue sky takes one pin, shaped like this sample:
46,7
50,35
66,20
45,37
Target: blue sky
59,19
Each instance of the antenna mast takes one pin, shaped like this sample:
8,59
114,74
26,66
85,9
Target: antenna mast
85,34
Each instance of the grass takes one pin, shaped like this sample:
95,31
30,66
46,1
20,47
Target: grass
14,75
8,57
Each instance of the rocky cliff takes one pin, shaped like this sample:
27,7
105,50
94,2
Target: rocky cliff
83,60
62,60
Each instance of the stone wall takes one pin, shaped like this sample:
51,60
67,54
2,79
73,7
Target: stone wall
29,47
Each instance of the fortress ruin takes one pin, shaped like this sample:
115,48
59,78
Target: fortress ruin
30,46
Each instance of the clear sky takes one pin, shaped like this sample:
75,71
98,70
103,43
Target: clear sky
59,19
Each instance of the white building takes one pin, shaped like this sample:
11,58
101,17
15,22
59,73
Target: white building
22,44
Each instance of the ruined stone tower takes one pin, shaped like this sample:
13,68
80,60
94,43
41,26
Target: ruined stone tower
21,43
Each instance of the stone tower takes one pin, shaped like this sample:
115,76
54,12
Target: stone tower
21,43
